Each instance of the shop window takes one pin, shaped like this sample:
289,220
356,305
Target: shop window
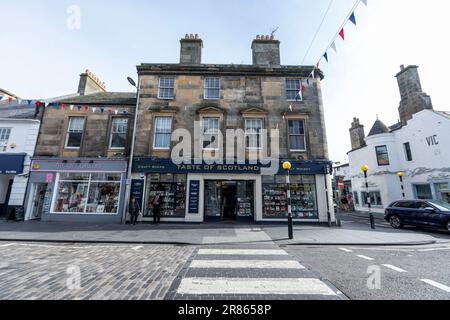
297,138
163,132
303,196
166,89
423,192
211,133
375,199
293,88
253,132
382,156
119,133
443,192
5,133
84,193
212,88
75,132
172,190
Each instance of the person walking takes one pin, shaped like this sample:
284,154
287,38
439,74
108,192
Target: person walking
156,205
135,211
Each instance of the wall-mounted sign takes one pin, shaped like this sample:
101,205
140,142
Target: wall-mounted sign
82,165
12,163
194,197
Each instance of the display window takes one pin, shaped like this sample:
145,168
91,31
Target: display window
85,193
303,197
172,189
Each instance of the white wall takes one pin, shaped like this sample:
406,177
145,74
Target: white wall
431,163
24,135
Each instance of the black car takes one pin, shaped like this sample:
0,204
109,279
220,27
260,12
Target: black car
425,213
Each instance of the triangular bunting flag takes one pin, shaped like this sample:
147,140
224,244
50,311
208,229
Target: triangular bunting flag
29,101
1,97
333,46
291,108
10,100
365,2
326,56
342,34
353,18
303,88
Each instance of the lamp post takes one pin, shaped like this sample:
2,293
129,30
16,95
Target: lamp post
133,143
288,166
401,175
365,169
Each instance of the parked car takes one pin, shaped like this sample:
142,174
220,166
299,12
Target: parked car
426,213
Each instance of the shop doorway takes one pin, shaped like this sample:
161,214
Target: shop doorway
38,201
4,212
229,201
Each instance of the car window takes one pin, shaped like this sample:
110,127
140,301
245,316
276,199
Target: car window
422,205
405,204
442,206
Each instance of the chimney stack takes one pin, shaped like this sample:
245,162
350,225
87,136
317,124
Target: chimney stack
357,135
191,49
414,100
266,51
90,84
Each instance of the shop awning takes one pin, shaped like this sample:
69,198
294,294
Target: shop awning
12,163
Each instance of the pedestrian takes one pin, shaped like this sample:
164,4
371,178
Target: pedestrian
156,205
344,203
135,211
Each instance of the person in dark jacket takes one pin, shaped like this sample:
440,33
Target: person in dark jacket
135,211
156,205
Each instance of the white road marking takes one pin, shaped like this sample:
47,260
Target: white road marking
196,286
389,266
434,249
245,264
6,245
138,248
436,284
346,250
238,252
365,257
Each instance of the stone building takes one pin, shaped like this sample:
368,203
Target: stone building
417,146
79,169
262,96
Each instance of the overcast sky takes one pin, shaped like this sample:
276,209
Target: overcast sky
41,57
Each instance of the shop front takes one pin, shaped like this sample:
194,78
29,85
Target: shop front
11,165
214,193
77,190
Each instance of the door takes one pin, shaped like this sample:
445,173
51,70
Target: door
38,201
229,196
422,216
4,212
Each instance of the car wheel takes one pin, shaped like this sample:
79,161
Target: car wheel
448,226
396,222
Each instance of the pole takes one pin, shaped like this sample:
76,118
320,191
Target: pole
130,164
403,188
328,200
289,199
369,202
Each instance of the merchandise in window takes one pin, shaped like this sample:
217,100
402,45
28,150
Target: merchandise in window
84,193
303,196
172,190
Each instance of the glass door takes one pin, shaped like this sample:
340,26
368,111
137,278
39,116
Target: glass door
213,200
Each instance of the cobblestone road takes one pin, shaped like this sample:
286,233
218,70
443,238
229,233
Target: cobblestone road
37,271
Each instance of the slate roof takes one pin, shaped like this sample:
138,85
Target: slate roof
378,128
103,98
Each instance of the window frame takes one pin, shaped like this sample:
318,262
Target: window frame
155,133
112,133
68,132
217,134
248,134
408,152
297,135
206,88
8,134
297,90
161,87
379,154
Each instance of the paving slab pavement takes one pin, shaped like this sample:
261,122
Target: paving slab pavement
203,234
